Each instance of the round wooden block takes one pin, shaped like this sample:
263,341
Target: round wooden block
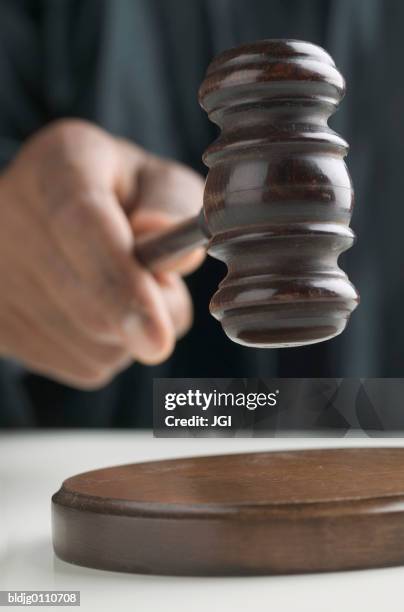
259,513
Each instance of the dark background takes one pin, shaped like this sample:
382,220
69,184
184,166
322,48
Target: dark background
134,67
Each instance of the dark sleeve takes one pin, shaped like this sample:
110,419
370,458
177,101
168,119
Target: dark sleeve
21,112
20,115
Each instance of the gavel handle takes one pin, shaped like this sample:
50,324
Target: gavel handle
156,251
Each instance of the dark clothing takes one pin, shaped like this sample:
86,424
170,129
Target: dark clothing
134,67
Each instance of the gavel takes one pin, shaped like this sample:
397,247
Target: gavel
278,197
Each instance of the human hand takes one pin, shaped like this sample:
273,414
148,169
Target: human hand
75,304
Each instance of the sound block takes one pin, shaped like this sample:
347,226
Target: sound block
259,513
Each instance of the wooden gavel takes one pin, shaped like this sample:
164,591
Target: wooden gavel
278,197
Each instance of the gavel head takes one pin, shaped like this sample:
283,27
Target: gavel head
278,197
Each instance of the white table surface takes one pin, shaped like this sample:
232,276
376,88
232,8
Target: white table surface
32,467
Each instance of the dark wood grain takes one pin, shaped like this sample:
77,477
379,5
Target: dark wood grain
278,197
261,513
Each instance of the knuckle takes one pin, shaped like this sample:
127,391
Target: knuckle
59,133
174,176
96,321
68,134
80,375
93,378
184,324
99,326
166,348
74,203
91,197
161,352
60,127
168,171
179,174
183,186
109,357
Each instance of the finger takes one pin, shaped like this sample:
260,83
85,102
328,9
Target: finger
178,302
186,264
81,211
95,238
51,353
182,264
62,330
60,283
158,195
77,296
149,186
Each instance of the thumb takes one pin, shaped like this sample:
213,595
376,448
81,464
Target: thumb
157,194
